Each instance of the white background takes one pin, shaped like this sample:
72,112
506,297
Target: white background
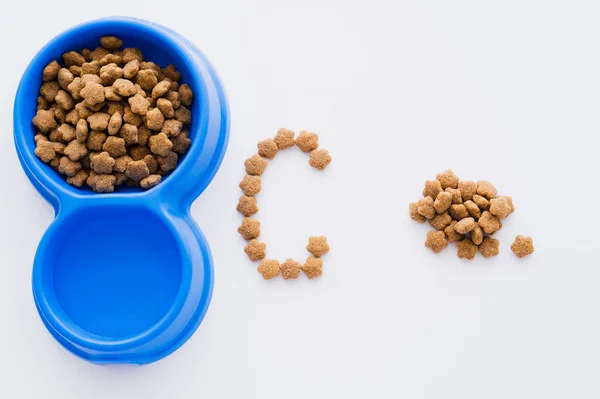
398,91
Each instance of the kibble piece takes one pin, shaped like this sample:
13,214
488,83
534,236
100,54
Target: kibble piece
108,59
458,212
413,209
131,118
466,249
426,208
255,165
147,79
168,162
79,179
81,130
72,117
451,233
59,148
509,201
523,246
42,103
59,113
465,225
75,150
481,202
102,163
313,267
249,229
489,247
269,268
45,151
143,134
317,245
68,167
172,128
456,195
75,87
89,78
256,250
173,97
150,181
44,121
92,68
49,90
489,223
499,207
95,140
183,115
114,123
267,148
64,100
98,121
65,78
75,70
40,137
486,189
477,235
66,132
161,88
468,189
172,73
250,185
124,87
319,159
137,170
98,53
448,179
432,188
93,94
114,146
160,144
247,206
139,104
54,163
130,54
111,43
440,221
442,202
473,209
131,69
73,58
152,163
181,143
121,163
104,183
307,141
436,241
166,108
138,152
50,71
109,74
155,119
186,95
284,138
290,269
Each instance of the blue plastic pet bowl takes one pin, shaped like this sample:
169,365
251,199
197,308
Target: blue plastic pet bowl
126,277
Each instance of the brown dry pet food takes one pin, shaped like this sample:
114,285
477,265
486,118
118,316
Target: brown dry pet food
451,233
317,245
267,148
523,246
425,207
489,223
436,241
79,179
313,267
456,195
473,209
247,206
509,200
481,202
249,229
284,138
111,43
413,209
442,202
447,179
115,146
465,225
486,189
499,207
269,268
68,167
458,211
137,170
75,151
186,95
150,181
489,247
467,189
432,188
440,221
50,72
250,185
307,141
160,144
255,165
319,159
256,250
102,163
476,235
466,249
290,269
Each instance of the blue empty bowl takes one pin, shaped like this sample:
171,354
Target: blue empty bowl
126,277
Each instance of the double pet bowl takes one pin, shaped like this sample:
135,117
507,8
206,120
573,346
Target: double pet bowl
126,277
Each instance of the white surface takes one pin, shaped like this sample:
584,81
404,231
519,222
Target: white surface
506,91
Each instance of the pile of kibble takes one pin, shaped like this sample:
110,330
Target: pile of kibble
467,213
247,206
107,117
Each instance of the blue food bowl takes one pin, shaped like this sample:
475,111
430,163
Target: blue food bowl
126,277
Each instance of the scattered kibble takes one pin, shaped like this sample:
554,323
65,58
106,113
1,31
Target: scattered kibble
466,213
107,118
523,246
251,185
